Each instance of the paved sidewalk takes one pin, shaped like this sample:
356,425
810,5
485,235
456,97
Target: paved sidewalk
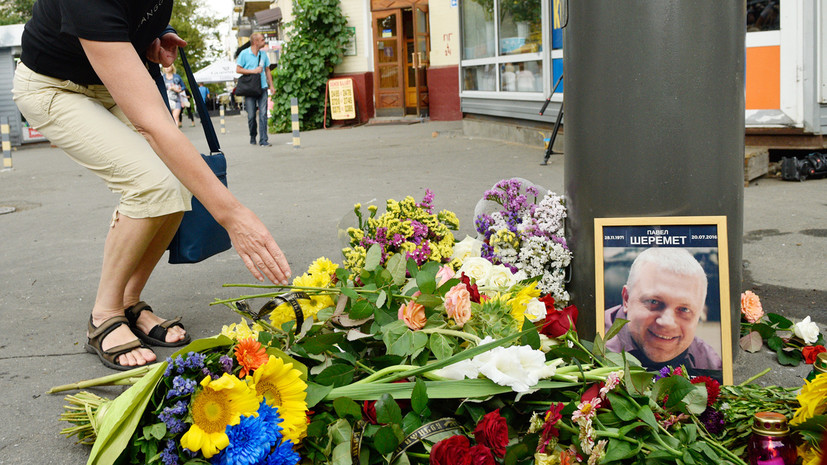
52,245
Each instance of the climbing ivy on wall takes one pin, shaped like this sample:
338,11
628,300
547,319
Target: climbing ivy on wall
315,43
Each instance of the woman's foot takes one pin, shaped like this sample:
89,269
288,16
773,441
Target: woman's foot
119,336
153,329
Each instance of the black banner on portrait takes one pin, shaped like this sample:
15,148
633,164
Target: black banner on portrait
669,278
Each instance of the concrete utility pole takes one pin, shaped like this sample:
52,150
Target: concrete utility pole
654,123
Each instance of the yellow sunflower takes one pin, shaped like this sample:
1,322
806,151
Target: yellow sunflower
216,405
282,387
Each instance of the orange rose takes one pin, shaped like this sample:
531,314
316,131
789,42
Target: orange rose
413,314
458,304
751,307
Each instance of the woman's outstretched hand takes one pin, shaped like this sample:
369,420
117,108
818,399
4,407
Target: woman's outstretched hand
257,248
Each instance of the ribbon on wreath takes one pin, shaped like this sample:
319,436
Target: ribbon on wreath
288,298
425,431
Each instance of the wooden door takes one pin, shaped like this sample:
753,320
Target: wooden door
388,78
422,53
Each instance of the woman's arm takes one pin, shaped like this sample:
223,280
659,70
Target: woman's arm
126,78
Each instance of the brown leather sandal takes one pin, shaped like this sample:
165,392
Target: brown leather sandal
158,334
110,356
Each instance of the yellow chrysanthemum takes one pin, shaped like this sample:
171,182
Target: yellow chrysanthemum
809,455
519,302
240,331
216,405
813,400
282,387
324,268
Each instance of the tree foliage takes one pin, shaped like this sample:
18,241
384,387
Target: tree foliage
15,11
315,44
199,30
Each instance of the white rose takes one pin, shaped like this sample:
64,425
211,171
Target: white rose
476,268
535,310
500,277
468,247
807,330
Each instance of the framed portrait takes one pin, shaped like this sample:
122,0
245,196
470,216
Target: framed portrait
669,278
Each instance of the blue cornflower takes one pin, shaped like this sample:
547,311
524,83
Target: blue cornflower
181,387
179,364
226,363
194,360
169,455
249,443
170,366
282,454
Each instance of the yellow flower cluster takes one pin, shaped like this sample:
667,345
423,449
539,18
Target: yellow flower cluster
519,302
504,237
239,331
319,274
813,400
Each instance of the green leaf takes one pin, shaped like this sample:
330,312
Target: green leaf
419,396
322,342
157,431
387,410
696,399
622,407
440,345
402,345
779,321
413,270
361,308
410,422
315,393
704,448
385,440
341,454
426,278
530,338
396,266
790,358
380,300
616,327
420,340
340,431
752,342
336,375
775,343
348,292
764,330
347,408
428,300
618,450
645,414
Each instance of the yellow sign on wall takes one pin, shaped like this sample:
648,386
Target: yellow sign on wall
342,101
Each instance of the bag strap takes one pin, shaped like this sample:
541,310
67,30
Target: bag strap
206,122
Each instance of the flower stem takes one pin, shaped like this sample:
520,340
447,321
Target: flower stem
385,371
749,381
126,377
450,332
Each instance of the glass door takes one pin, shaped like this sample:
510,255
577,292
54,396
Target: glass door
388,75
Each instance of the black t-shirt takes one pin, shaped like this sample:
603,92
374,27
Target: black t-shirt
50,44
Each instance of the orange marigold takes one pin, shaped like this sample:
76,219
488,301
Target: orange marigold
250,355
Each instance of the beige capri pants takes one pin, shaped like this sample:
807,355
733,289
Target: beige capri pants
86,123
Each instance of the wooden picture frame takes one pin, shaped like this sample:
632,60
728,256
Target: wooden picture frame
664,304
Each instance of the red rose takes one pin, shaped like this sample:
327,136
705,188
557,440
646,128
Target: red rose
558,322
811,352
472,288
481,455
549,301
492,431
451,451
369,411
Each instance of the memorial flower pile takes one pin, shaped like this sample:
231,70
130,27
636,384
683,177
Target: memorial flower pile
401,360
526,234
791,341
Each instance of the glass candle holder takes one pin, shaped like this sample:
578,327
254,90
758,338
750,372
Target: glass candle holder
770,442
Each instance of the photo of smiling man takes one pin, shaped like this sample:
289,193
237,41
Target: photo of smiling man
665,300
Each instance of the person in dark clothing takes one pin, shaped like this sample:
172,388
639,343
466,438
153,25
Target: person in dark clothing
89,81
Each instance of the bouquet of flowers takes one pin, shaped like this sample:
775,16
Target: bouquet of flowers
792,342
406,227
526,234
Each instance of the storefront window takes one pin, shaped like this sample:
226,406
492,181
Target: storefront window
520,27
479,78
478,29
763,15
524,76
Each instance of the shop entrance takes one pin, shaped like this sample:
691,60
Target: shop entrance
401,50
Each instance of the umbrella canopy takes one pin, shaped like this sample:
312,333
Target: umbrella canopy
220,71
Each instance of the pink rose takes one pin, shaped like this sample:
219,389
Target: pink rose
413,314
444,274
458,304
751,307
